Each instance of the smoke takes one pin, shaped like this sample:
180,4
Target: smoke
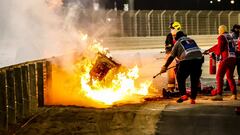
31,30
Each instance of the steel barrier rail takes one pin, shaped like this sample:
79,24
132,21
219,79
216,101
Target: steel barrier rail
22,89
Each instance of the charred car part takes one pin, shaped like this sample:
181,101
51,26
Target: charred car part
101,67
169,94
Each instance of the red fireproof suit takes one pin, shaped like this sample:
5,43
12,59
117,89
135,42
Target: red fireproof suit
225,50
169,43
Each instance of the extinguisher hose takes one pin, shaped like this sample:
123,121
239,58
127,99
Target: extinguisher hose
161,73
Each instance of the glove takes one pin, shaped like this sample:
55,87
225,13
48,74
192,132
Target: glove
206,52
218,58
163,69
214,56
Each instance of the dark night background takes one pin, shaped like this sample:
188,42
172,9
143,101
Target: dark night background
187,4
165,4
174,4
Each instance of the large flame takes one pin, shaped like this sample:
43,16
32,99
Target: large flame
74,86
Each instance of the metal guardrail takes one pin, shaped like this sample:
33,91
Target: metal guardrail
22,89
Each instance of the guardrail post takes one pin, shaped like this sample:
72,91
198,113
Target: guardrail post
11,106
32,86
40,84
25,89
3,101
19,93
47,78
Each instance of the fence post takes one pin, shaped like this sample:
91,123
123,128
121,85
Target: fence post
159,25
162,22
122,23
238,18
3,101
208,21
135,23
40,84
108,12
229,19
186,21
32,88
198,13
174,15
19,93
25,89
219,17
11,106
131,4
149,23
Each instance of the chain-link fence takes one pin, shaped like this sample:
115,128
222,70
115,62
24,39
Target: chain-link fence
156,22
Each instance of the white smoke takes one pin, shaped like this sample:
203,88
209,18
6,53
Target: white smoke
35,29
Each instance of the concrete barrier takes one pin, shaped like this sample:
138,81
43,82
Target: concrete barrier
128,43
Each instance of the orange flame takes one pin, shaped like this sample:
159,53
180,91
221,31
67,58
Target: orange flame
73,87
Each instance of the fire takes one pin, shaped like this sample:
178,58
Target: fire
121,87
78,87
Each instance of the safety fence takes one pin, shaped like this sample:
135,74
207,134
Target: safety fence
156,22
22,89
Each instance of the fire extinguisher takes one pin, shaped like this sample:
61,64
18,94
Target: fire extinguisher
212,64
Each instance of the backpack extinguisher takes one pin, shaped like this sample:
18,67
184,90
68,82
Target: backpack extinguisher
212,64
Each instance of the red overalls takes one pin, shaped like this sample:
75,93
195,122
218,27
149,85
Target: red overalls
225,48
171,72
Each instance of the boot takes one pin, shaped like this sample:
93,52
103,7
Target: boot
193,101
214,92
182,98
